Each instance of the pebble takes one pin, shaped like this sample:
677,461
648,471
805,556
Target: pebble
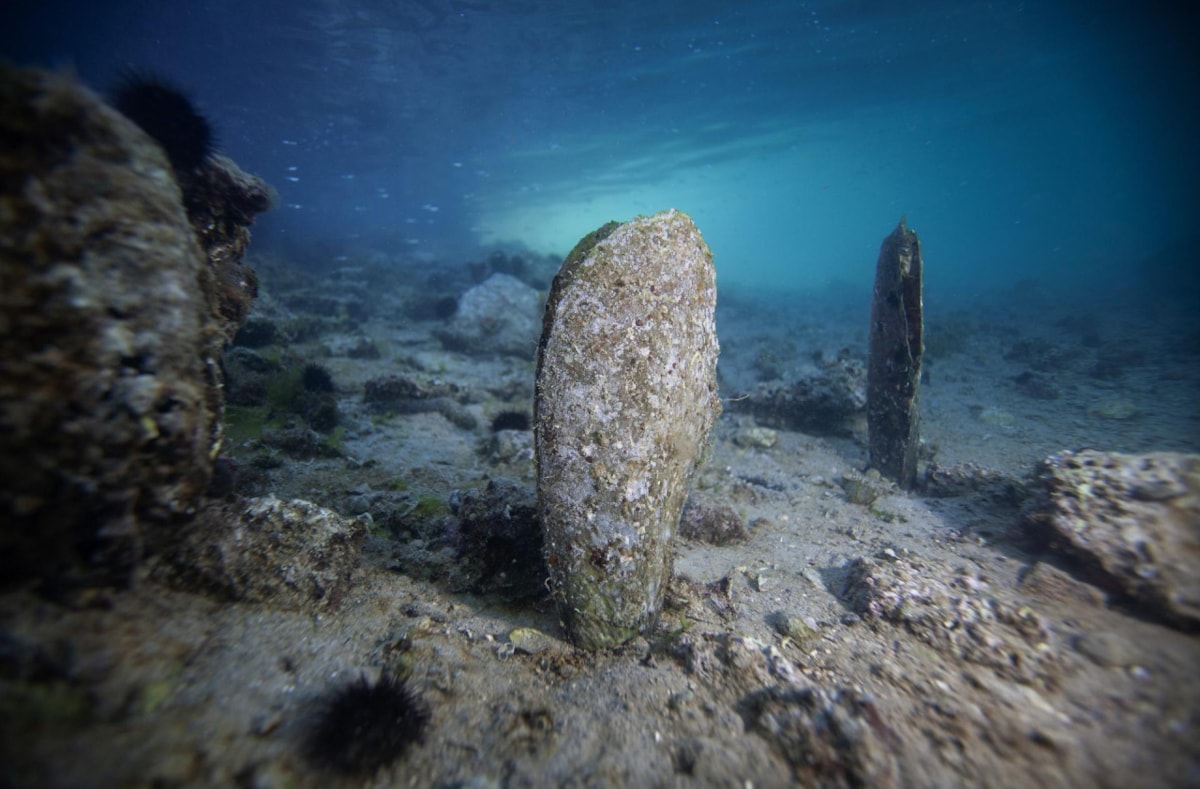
760,437
1106,649
530,641
795,627
1116,408
680,699
997,417
763,580
813,577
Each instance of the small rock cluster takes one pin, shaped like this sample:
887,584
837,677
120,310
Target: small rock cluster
829,736
824,401
499,541
290,554
404,394
1132,520
956,612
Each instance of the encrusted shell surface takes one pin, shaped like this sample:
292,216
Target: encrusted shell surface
626,397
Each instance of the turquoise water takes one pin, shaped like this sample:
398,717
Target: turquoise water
1046,141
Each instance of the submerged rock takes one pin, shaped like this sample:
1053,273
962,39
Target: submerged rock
894,359
706,519
109,402
221,201
823,402
626,396
290,554
499,542
957,612
407,395
829,737
755,437
120,279
1133,520
497,316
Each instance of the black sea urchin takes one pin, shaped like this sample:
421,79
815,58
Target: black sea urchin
167,115
365,725
316,378
510,420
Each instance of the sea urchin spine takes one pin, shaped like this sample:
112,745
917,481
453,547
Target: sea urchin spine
167,115
364,726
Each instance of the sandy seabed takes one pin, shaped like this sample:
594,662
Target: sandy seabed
914,640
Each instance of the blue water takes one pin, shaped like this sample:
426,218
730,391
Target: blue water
1046,141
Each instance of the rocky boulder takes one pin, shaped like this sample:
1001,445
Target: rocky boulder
1132,520
113,310
501,315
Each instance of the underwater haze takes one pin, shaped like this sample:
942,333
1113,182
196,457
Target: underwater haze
385,501
1043,141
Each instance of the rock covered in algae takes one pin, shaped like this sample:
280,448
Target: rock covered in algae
626,397
291,554
106,406
1132,520
894,359
497,316
221,201
119,281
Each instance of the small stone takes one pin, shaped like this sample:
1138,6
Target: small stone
813,577
530,641
794,626
708,520
1107,649
757,437
996,417
1114,408
1053,585
680,699
762,580
834,737
477,782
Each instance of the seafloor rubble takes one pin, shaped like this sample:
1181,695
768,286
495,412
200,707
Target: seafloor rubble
847,633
